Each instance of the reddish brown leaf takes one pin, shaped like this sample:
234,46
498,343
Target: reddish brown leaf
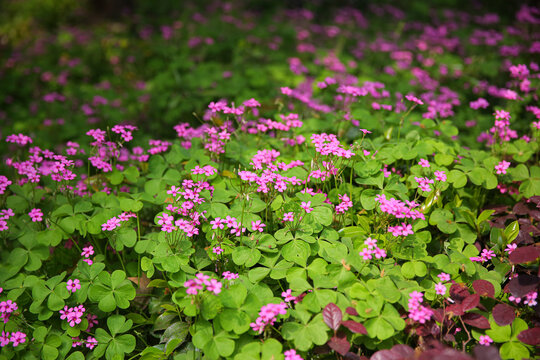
332,316
483,288
482,352
523,284
397,352
524,255
355,327
339,344
503,314
455,309
470,302
458,292
476,320
530,336
351,311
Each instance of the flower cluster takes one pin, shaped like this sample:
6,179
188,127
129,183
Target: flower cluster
116,221
344,205
4,183
125,131
187,198
530,299
6,309
87,252
372,250
233,225
418,312
424,183
440,288
19,139
202,282
484,256
227,275
15,338
401,230
328,144
73,315
5,214
36,215
502,166
264,160
268,316
292,355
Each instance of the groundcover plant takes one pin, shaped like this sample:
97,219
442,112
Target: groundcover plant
237,180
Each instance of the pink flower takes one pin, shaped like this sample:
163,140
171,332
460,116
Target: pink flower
440,289
286,295
371,243
288,216
36,215
485,340
414,99
257,225
366,254
444,277
292,355
424,163
510,248
17,338
502,167
214,286
91,342
87,251
440,176
73,285
217,250
227,275
306,206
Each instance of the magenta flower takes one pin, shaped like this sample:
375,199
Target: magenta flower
257,225
414,99
306,206
292,355
444,276
502,167
73,285
288,216
440,176
91,342
440,289
227,275
424,163
217,250
87,251
366,254
36,215
510,248
485,340
17,338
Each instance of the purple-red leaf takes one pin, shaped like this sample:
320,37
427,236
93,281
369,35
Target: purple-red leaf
397,352
503,314
470,302
524,255
458,292
523,284
339,344
483,288
476,320
351,311
332,316
482,352
455,309
530,336
355,327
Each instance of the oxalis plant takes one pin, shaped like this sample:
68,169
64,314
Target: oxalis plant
334,217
